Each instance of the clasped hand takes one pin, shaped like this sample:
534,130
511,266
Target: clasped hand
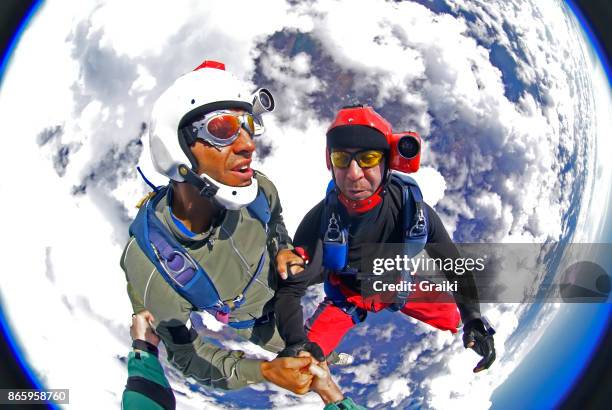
302,374
288,263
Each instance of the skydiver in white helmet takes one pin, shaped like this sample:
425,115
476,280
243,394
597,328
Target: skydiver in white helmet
212,238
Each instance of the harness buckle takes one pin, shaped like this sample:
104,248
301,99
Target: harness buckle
419,225
234,303
333,232
238,300
188,263
357,314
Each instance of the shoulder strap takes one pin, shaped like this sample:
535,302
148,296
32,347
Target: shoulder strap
414,218
172,261
333,234
179,269
260,208
330,204
414,228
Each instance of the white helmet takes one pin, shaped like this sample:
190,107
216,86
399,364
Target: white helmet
208,88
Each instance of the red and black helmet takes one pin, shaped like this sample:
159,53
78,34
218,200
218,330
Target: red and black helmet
359,126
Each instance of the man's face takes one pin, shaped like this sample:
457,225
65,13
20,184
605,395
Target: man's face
230,165
358,183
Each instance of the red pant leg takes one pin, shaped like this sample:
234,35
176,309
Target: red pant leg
434,308
328,325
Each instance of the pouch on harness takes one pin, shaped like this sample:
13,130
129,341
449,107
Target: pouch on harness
335,241
180,270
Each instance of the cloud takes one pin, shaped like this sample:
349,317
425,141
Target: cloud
453,89
392,389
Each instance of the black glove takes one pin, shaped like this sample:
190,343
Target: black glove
306,346
478,335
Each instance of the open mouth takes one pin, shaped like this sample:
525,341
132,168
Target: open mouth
243,171
242,168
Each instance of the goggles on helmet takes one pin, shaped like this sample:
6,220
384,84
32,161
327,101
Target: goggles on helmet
221,128
365,158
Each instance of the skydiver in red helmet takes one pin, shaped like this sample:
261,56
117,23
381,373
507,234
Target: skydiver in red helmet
367,203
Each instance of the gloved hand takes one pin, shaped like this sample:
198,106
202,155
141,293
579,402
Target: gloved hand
479,336
305,346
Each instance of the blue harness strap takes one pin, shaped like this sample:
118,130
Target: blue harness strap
180,270
335,236
334,294
247,324
414,228
260,209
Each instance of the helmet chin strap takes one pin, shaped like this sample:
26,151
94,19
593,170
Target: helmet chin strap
228,197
